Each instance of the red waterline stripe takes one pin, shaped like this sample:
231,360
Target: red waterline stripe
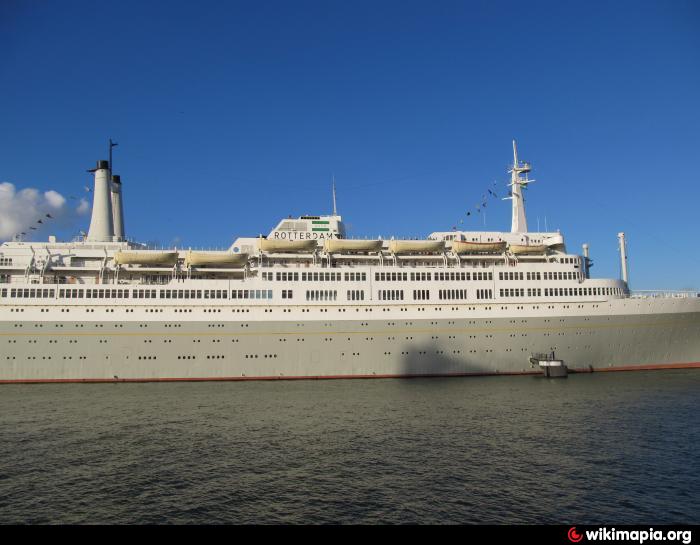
645,367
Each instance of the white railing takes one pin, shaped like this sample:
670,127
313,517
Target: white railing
682,294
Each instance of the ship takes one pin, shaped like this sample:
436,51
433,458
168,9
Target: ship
308,302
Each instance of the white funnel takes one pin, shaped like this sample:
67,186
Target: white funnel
101,228
117,209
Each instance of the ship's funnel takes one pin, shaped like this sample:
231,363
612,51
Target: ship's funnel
101,228
117,209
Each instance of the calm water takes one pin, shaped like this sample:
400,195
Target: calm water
602,448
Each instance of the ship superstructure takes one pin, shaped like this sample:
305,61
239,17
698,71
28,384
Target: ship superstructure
307,302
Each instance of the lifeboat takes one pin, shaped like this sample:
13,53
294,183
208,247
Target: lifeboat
341,245
286,246
416,246
519,249
145,257
462,247
197,259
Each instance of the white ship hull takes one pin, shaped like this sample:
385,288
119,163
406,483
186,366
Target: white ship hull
205,343
306,302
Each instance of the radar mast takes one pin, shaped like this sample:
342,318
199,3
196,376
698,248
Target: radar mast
517,183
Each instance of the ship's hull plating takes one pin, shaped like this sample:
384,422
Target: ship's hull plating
618,335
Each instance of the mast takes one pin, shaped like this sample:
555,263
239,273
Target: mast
519,221
335,210
623,258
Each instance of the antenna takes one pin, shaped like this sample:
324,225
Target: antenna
335,211
111,145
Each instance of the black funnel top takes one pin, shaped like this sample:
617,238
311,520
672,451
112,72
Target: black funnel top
102,164
116,179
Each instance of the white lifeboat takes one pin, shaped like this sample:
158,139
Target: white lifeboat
286,246
519,249
416,246
463,247
145,257
342,245
197,259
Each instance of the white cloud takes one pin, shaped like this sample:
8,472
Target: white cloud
22,209
55,200
83,207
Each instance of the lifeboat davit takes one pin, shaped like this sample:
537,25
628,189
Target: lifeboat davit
145,257
342,245
463,247
198,259
519,249
286,246
416,246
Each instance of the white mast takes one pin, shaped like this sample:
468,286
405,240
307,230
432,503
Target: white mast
623,257
335,211
519,222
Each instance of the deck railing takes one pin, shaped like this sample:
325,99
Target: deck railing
664,294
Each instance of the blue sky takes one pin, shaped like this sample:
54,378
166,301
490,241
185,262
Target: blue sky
231,115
